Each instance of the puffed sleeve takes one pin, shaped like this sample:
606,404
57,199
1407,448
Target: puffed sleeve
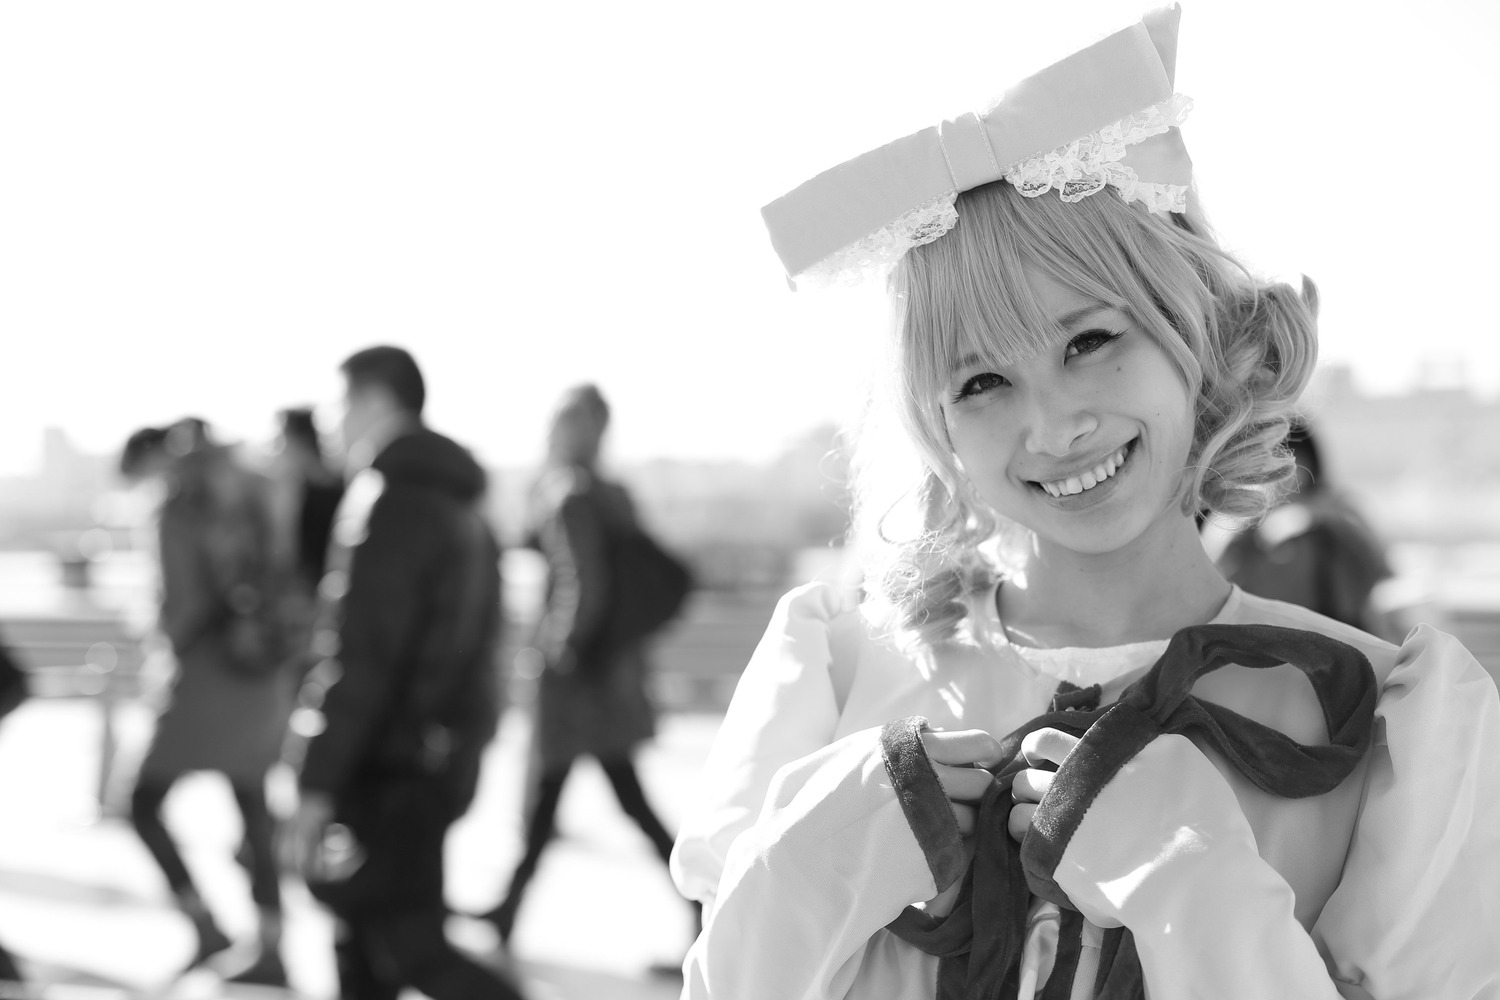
783,709
1417,912
1165,851
798,846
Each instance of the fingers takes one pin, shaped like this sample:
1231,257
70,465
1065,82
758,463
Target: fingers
963,784
1020,819
964,746
1031,784
1047,746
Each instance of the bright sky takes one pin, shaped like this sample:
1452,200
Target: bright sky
205,206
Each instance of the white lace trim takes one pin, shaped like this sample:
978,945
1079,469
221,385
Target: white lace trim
1085,165
1077,170
882,248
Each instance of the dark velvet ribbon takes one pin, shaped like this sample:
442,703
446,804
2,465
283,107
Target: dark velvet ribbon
980,941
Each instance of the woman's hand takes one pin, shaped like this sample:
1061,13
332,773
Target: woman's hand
961,760
1045,746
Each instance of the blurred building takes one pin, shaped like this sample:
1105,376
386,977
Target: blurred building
61,497
1424,465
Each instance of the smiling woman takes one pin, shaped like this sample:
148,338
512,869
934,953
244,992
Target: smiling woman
1082,303
1048,750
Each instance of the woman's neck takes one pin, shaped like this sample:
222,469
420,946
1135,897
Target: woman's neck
1161,582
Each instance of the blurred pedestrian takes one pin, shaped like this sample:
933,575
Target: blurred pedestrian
13,691
1314,549
591,696
306,489
414,587
230,697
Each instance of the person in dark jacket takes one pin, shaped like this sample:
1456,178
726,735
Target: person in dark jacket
410,630
309,490
591,696
231,696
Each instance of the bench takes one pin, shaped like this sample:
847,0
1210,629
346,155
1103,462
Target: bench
96,656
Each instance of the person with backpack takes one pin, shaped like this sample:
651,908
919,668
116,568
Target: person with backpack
608,588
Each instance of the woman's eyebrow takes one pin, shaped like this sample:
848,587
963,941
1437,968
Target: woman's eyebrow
1065,321
1082,312
967,361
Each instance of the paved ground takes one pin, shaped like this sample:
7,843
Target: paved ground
87,914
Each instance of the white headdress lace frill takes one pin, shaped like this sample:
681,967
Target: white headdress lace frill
1081,168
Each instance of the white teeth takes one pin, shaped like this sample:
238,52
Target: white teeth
1086,480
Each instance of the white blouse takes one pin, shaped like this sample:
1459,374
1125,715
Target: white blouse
1387,887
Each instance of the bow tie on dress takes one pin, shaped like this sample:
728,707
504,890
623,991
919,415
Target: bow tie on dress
981,940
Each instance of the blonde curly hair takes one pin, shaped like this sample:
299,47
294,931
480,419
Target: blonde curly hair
1245,348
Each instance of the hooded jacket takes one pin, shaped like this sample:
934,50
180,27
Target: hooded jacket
419,620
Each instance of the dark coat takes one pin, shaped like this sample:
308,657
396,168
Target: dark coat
214,534
418,618
597,704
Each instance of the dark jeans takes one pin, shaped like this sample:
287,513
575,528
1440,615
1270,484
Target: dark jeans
391,917
542,824
8,971
260,832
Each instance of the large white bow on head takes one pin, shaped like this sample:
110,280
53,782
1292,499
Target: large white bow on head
1105,115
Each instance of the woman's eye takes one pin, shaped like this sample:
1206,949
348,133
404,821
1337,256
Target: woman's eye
1088,343
982,382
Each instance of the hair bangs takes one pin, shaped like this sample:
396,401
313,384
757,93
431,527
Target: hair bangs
967,301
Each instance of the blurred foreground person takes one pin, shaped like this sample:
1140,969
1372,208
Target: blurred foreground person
1314,549
591,697
13,691
414,599
230,698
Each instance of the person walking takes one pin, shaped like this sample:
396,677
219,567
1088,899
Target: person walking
308,490
591,698
230,698
410,630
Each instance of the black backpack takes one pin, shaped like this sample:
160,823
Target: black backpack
648,586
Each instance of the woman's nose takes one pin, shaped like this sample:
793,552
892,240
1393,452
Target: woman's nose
1056,422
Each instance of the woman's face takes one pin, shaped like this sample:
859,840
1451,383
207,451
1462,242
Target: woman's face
1086,442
